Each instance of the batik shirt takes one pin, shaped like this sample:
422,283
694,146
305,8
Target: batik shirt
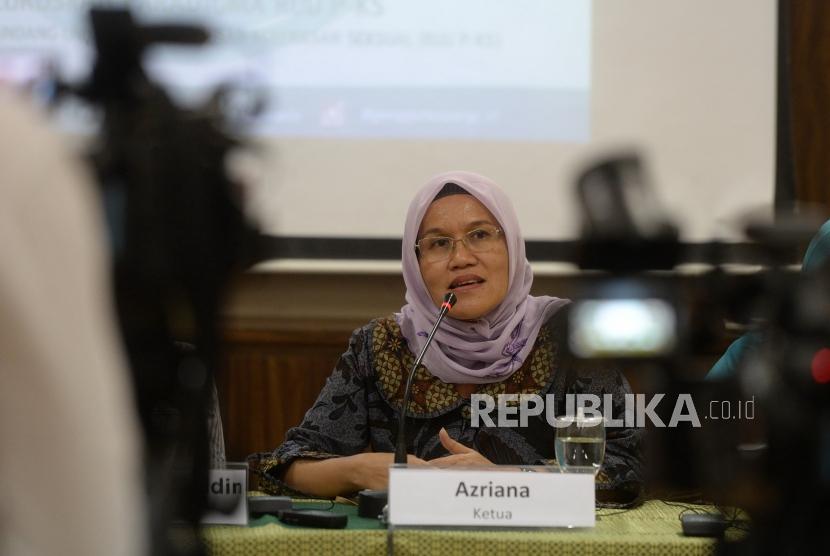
358,410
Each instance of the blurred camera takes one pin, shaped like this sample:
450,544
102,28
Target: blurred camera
623,312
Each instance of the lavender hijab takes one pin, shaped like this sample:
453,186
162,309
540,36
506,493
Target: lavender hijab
493,347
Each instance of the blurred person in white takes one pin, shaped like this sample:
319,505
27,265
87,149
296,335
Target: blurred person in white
70,461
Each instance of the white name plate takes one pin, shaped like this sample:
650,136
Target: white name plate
227,495
533,496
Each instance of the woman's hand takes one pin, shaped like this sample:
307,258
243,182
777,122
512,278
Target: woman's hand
341,475
370,470
459,453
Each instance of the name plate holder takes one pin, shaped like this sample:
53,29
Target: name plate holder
498,496
227,495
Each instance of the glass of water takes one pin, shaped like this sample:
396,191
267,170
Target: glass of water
580,443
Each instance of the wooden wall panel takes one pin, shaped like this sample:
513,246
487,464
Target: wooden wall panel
807,66
267,382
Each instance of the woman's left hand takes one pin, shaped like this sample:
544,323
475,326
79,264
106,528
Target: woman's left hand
459,453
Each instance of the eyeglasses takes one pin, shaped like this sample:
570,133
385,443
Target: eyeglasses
433,249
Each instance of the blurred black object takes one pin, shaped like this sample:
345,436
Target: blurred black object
628,238
178,233
776,467
623,228
626,235
789,373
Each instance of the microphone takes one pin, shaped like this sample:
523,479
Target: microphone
400,445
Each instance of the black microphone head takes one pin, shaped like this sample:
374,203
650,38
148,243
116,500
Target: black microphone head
450,299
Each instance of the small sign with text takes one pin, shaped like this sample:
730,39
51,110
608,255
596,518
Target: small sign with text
532,496
227,496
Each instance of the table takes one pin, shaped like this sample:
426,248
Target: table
267,535
652,528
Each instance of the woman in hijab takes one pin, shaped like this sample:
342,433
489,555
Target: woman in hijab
461,235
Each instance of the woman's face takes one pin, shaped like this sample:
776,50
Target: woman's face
478,279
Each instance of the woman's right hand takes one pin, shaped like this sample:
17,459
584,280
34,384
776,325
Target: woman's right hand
370,470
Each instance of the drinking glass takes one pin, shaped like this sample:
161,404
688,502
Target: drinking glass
580,443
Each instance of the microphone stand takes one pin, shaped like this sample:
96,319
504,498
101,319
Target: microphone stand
400,445
370,502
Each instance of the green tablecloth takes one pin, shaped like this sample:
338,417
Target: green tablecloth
267,535
652,528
